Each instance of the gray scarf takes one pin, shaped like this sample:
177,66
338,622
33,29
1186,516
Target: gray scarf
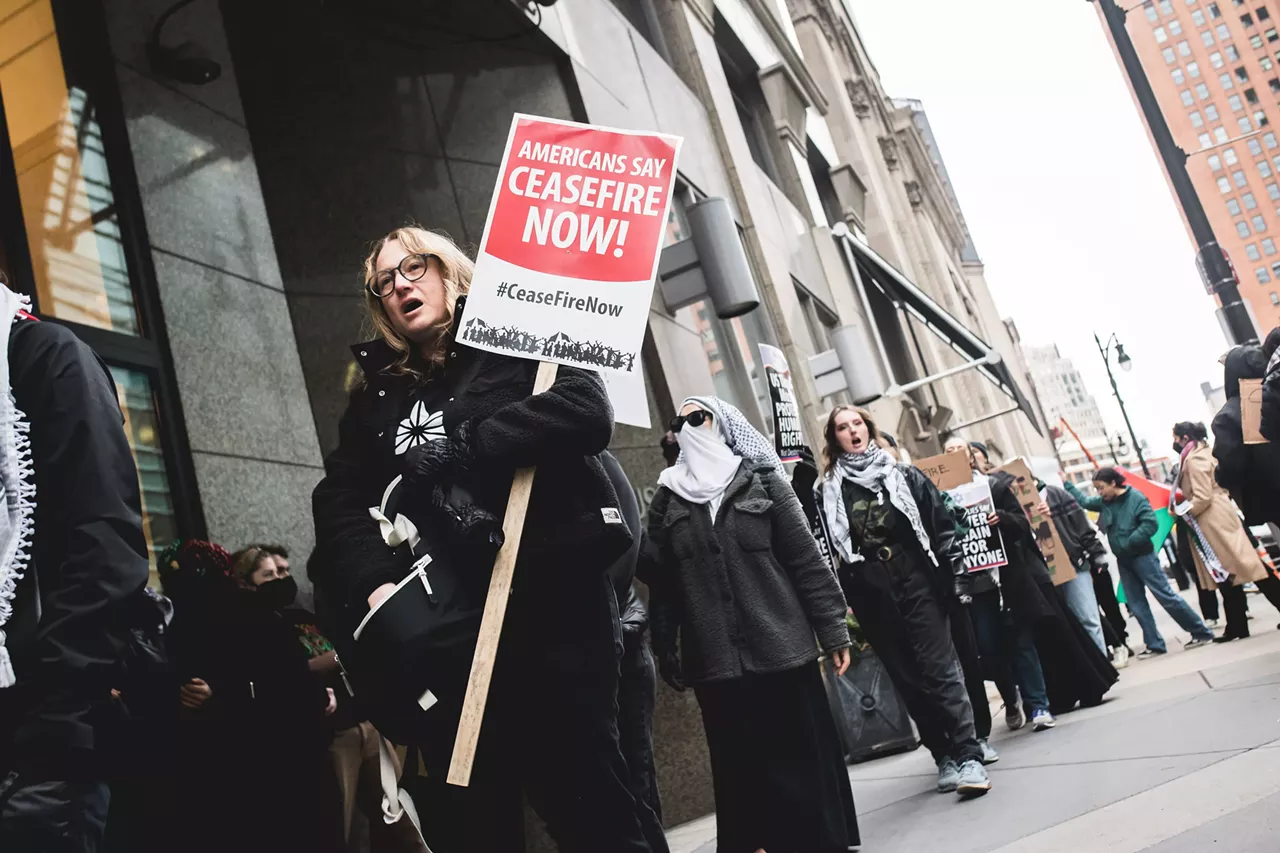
876,472
17,485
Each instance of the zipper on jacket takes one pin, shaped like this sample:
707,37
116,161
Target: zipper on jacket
343,673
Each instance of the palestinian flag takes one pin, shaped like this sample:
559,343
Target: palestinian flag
1159,497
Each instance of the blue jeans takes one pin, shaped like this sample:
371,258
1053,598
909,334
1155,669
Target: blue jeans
1003,640
1083,602
1139,574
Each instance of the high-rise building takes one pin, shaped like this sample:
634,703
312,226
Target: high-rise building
1212,67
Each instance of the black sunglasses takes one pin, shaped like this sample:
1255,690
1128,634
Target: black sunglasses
694,419
412,267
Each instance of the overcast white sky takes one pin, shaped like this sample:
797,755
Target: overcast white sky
1061,189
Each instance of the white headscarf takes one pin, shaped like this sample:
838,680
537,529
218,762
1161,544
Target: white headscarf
17,485
710,458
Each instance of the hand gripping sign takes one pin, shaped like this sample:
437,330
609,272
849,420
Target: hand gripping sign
564,275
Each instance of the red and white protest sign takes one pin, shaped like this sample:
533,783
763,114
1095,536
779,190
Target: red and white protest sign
566,266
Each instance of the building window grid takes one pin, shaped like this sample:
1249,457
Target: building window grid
1268,246
1262,274
1250,203
1242,229
1211,112
1224,79
1175,27
1264,168
1233,206
1215,162
1251,249
1230,51
1215,59
1259,223
1229,156
1202,91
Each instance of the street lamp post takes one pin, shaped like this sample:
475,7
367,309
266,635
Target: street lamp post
1215,267
1126,364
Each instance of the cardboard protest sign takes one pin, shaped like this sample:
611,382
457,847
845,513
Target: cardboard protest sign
948,470
982,547
566,265
1251,411
1042,526
788,437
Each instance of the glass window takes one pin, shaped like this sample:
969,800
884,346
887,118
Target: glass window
1246,19
1275,298
1197,17
1202,91
1273,191
1269,138
1169,56
1259,223
1215,162
1255,41
1215,59
1166,7
1224,79
1245,126
1239,178
73,230
1161,35
142,427
1184,49
1220,134
1205,140
1262,12
1250,95
1207,38
1274,83
1275,270
1224,185
1193,69
1235,103
1196,119
1211,112
1268,246
1175,27
1266,63
1254,148
1229,156
1232,54
1252,251
1264,168
1260,118
1233,207
1214,12
1242,228
1242,74
1272,35
1262,274
1150,9
1188,100
1249,202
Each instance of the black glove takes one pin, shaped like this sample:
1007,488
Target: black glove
805,474
669,669
433,462
475,534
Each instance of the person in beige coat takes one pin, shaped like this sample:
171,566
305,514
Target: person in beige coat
1225,559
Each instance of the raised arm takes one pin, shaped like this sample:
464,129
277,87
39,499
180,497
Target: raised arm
1093,504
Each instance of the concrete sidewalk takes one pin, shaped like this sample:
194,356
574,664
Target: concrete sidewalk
1184,754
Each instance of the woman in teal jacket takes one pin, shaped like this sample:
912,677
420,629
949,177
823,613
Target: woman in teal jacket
1130,524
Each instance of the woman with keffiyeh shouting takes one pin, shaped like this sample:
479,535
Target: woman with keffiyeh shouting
736,573
899,565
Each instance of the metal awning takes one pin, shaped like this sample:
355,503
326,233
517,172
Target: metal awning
907,297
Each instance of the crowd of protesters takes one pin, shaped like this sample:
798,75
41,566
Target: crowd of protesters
230,712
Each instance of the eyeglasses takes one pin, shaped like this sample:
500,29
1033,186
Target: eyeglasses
412,267
694,419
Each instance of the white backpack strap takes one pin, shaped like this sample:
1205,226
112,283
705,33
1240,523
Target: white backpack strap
397,805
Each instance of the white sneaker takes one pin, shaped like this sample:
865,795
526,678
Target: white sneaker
1121,658
1042,719
989,755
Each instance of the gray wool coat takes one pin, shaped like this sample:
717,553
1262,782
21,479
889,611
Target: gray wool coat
746,593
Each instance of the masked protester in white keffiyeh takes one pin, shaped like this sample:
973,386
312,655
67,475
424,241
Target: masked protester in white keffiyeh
875,471
710,458
16,483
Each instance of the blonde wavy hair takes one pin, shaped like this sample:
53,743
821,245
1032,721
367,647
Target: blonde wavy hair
456,269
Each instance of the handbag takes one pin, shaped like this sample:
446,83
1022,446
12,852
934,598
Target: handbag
414,648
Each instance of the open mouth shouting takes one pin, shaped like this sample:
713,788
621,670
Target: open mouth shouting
409,306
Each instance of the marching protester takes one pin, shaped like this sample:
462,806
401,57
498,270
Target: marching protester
1269,425
1129,524
1224,558
450,425
899,567
1249,472
1087,555
738,578
73,564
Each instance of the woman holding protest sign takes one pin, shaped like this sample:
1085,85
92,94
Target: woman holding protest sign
899,567
439,429
737,575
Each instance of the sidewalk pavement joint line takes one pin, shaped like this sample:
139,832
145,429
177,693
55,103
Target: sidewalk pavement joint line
1164,811
1205,679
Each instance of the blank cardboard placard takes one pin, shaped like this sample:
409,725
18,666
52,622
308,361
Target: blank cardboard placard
1251,411
1042,526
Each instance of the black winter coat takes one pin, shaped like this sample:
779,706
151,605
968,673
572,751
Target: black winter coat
573,530
1270,425
750,589
73,609
1250,472
1078,536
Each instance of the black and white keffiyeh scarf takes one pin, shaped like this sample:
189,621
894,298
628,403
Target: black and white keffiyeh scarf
875,471
17,485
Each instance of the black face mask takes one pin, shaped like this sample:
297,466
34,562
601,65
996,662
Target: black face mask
278,594
1177,447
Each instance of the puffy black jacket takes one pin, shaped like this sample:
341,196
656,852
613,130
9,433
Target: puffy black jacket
1270,403
1078,536
573,530
746,592
73,609
1250,472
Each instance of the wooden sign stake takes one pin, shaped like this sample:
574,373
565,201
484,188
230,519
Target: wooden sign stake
495,611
